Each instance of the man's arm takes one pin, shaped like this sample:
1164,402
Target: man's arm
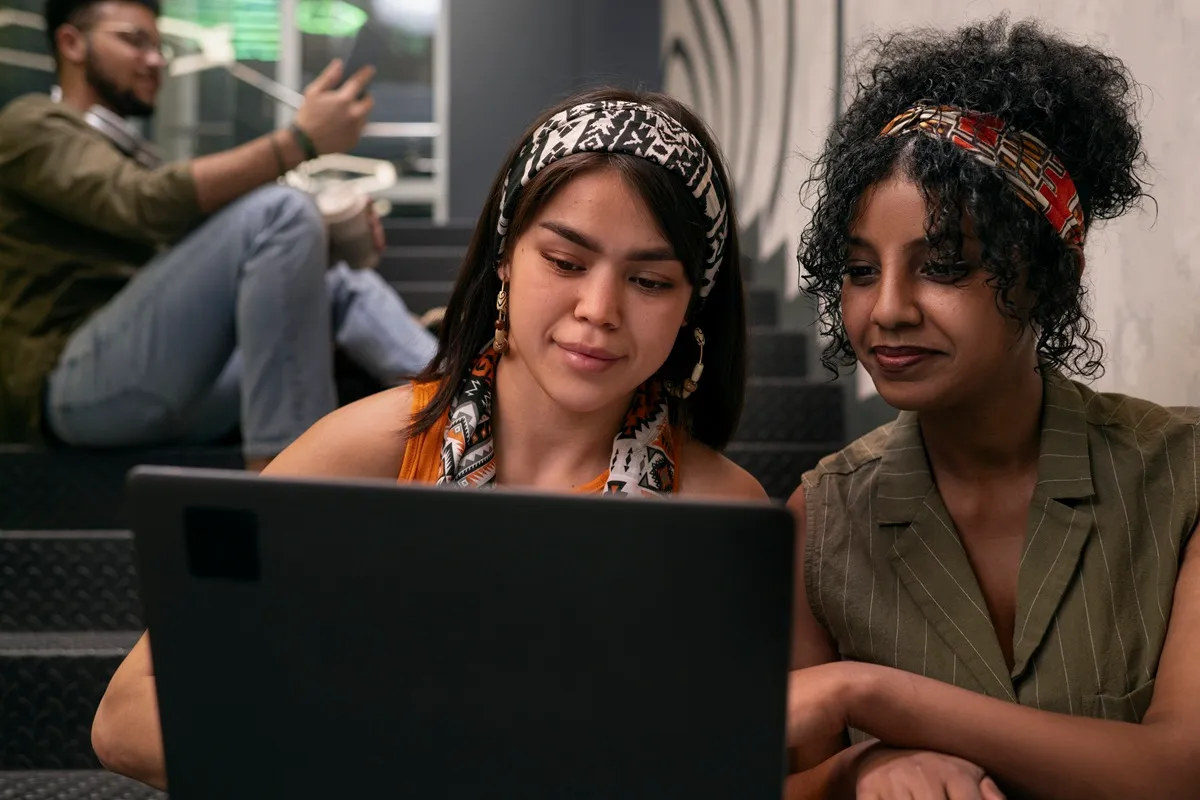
332,118
82,178
1045,754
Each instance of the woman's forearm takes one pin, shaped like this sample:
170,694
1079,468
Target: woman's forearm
126,733
1043,754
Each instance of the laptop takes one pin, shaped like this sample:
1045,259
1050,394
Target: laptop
361,639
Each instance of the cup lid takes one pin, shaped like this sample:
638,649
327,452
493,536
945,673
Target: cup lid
338,203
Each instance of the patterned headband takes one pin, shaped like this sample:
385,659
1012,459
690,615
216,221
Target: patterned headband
614,126
1041,180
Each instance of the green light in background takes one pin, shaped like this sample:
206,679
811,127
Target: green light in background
329,18
255,23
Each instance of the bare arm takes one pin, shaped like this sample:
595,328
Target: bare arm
1046,754
361,440
51,160
126,734
812,645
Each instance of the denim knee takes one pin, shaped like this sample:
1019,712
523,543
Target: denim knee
291,209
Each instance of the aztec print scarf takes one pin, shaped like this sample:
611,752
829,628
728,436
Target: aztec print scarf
1040,179
643,455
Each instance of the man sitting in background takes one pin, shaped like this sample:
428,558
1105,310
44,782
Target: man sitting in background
143,303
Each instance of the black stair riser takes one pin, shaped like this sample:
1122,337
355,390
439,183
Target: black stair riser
47,704
68,581
790,410
778,467
404,233
73,785
82,490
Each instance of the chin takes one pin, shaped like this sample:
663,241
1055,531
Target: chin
585,397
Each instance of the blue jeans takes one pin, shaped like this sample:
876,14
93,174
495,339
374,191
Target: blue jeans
237,323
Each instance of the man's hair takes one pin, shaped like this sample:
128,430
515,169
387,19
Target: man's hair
77,13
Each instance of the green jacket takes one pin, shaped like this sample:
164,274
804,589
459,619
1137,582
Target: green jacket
77,220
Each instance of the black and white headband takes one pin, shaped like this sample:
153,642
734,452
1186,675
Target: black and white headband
617,126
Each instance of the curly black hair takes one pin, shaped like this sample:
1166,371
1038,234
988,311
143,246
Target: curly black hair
1080,101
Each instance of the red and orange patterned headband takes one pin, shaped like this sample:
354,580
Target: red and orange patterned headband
1041,180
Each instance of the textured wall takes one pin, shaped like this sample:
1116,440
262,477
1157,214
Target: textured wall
1143,269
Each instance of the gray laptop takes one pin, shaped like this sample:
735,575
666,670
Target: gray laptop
361,639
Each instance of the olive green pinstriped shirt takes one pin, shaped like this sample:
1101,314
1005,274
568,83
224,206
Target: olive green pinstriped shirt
1115,502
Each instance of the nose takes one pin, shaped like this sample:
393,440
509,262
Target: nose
600,294
156,59
896,300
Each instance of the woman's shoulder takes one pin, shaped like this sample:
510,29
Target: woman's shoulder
365,439
706,473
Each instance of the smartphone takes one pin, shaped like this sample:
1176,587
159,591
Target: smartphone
372,47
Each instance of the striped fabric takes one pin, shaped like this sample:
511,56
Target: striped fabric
1115,502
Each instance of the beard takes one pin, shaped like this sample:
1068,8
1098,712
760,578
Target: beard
122,101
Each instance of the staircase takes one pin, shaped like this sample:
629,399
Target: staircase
69,606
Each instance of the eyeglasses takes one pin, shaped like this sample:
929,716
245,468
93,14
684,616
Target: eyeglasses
139,39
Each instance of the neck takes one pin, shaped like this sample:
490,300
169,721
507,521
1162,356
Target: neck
79,95
541,444
993,436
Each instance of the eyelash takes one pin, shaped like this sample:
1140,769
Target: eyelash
569,268
949,273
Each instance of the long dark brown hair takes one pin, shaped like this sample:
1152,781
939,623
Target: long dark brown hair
710,415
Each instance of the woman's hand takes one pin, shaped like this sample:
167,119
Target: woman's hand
883,773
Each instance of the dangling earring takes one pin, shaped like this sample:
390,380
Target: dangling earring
691,384
500,339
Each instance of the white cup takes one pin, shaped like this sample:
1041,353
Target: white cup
347,216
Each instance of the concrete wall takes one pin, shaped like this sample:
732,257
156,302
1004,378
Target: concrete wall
509,60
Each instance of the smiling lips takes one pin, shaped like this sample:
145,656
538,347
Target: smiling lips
898,359
588,359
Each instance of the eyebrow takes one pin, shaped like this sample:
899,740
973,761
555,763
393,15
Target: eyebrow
574,236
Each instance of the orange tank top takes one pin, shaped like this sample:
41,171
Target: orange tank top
423,452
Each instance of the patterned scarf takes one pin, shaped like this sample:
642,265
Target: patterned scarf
643,456
1041,180
632,128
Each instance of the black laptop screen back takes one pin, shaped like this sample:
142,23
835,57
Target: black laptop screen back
431,644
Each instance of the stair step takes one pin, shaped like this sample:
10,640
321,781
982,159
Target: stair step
423,264
762,306
778,467
50,489
50,686
790,410
73,784
420,296
409,233
58,581
773,353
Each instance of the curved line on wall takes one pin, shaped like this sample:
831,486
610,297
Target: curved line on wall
785,132
679,50
734,107
715,106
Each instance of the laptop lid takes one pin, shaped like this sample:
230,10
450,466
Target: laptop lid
358,639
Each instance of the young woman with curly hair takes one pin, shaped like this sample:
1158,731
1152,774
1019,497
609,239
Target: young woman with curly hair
998,592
